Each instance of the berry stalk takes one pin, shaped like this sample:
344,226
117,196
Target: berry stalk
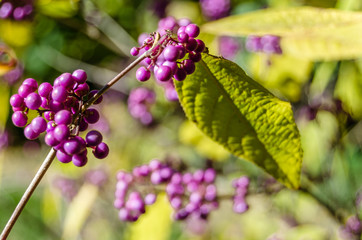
52,153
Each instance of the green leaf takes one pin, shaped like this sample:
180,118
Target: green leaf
245,118
307,32
58,8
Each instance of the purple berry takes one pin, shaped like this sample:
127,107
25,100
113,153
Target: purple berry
195,56
79,160
45,89
91,115
82,90
134,51
29,133
80,76
19,118
39,125
163,73
25,90
33,101
72,146
192,30
50,140
101,151
191,44
200,46
66,80
61,132
31,82
63,157
93,138
171,53
63,117
183,37
16,100
180,74
188,65
59,94
172,65
142,74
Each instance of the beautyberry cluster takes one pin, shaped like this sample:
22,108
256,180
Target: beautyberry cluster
241,186
268,44
352,229
215,9
175,40
189,194
140,101
16,10
60,115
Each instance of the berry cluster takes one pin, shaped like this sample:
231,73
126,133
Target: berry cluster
269,44
60,114
241,186
167,60
17,10
229,47
215,9
140,101
189,194
352,229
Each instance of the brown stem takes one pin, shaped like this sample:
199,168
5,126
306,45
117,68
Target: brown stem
29,191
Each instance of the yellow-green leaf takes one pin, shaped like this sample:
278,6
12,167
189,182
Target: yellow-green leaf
58,8
307,32
349,88
244,117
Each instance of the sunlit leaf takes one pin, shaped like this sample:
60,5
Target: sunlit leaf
244,117
278,72
17,34
190,134
58,8
349,88
79,210
307,32
4,101
155,224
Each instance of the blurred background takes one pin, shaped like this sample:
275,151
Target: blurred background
49,37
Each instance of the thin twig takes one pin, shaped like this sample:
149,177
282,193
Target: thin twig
29,191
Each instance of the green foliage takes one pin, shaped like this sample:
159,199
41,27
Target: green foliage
312,33
244,117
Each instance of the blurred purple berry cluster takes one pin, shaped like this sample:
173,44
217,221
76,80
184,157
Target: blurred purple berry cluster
176,39
215,9
269,44
17,9
352,229
60,115
140,101
190,194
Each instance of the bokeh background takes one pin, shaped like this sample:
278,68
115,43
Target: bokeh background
96,35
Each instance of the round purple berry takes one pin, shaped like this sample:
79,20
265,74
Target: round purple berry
142,74
19,118
101,151
63,117
163,73
16,100
192,30
171,53
44,89
93,138
80,76
39,125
